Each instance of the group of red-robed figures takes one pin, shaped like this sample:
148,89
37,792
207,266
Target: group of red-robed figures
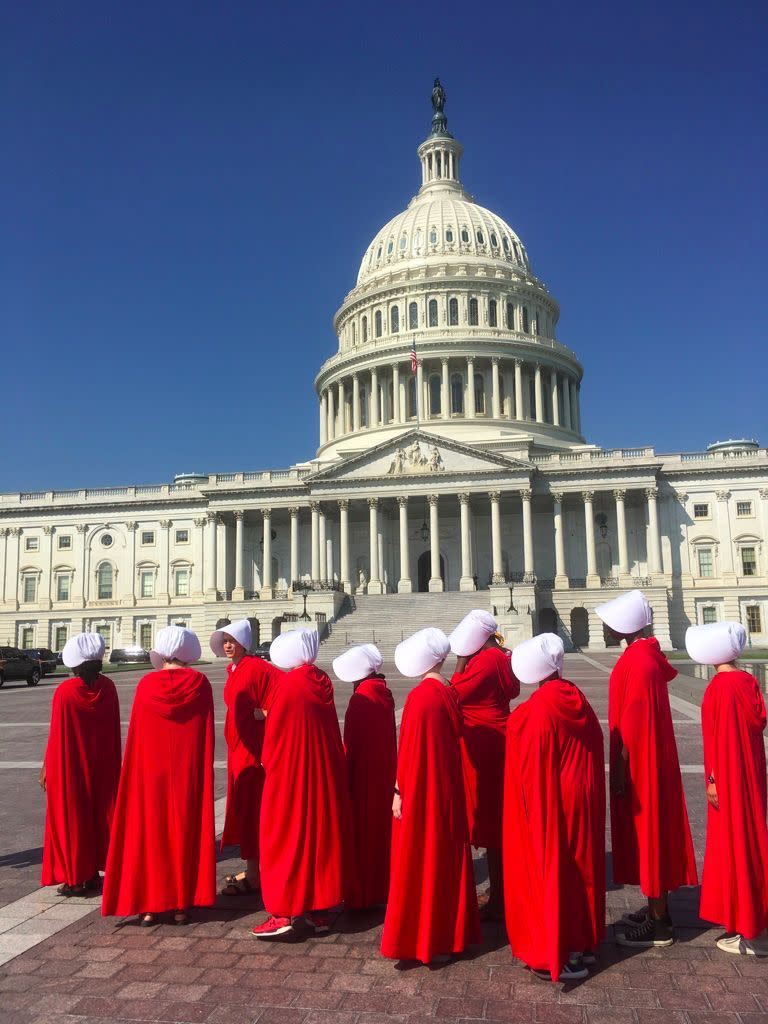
323,822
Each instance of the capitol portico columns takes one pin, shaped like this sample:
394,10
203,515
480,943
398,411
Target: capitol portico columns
467,581
294,513
519,412
445,393
561,572
495,389
593,579
198,545
404,585
528,569
266,570
314,570
344,545
355,402
471,410
238,594
210,556
621,534
539,395
654,541
555,399
374,583
322,546
435,579
374,398
497,563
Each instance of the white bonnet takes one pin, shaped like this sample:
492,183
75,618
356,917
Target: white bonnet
421,652
626,614
83,647
175,642
297,647
239,631
716,643
472,632
357,663
537,658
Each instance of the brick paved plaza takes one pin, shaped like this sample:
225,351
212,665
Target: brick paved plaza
61,963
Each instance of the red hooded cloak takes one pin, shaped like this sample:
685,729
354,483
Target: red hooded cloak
162,854
554,828
305,814
651,838
370,741
483,691
247,689
432,908
734,887
82,769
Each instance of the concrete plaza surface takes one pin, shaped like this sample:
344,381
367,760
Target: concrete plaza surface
61,962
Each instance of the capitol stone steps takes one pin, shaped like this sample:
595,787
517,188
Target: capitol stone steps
387,619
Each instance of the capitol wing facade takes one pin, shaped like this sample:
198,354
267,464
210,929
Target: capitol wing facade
450,458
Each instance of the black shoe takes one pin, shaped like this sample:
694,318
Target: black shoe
633,920
651,932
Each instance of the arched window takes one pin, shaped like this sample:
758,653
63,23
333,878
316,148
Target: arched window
517,252
464,235
390,246
535,323
526,321
457,394
494,241
363,405
502,395
394,319
473,312
480,238
505,240
413,316
433,312
453,312
479,394
364,329
510,316
104,581
378,254
403,242
433,236
449,235
492,315
354,333
377,322
434,395
412,397
417,242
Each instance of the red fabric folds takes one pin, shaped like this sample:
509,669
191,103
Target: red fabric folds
82,769
554,828
162,854
483,691
734,887
432,908
305,815
247,689
650,835
370,741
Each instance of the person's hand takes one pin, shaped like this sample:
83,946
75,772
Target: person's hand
397,806
41,776
259,715
712,795
461,663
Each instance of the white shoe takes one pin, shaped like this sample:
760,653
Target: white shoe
743,947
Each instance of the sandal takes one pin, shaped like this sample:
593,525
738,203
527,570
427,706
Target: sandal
72,890
148,920
235,885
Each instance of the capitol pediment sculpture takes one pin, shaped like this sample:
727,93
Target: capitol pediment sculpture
412,460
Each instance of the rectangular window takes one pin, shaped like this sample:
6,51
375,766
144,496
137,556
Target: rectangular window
147,536
706,565
65,542
743,508
708,614
748,562
145,635
701,510
27,637
30,589
32,544
754,619
60,637
182,582
62,586
182,536
147,581
105,630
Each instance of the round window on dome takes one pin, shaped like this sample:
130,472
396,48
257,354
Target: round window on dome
464,235
107,540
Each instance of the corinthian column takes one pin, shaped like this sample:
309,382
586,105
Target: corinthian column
238,594
539,395
355,402
211,552
436,580
321,541
295,572
323,418
495,389
528,569
561,573
404,585
266,571
344,578
621,532
497,562
519,412
315,541
471,410
445,390
374,583
396,412
374,406
593,579
467,581
654,541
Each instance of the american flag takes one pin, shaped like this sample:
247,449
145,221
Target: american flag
414,360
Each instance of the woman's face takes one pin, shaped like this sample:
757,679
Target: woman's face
232,649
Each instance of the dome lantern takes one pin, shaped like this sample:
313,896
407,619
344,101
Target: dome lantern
441,153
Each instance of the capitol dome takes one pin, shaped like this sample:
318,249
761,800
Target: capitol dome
447,328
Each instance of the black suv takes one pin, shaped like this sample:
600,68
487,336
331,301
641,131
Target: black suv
47,659
16,664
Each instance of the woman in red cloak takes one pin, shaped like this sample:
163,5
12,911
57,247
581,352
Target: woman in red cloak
305,834
162,854
734,886
370,742
483,685
81,770
554,819
432,909
651,838
247,691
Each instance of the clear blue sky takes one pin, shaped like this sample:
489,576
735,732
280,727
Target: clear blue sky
188,189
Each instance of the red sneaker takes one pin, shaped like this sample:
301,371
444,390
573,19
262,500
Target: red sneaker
273,927
320,921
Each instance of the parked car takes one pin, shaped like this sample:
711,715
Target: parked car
126,655
262,651
16,664
48,659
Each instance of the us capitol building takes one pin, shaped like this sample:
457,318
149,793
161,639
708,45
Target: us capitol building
451,458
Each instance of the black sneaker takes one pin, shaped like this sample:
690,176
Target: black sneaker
633,920
648,934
